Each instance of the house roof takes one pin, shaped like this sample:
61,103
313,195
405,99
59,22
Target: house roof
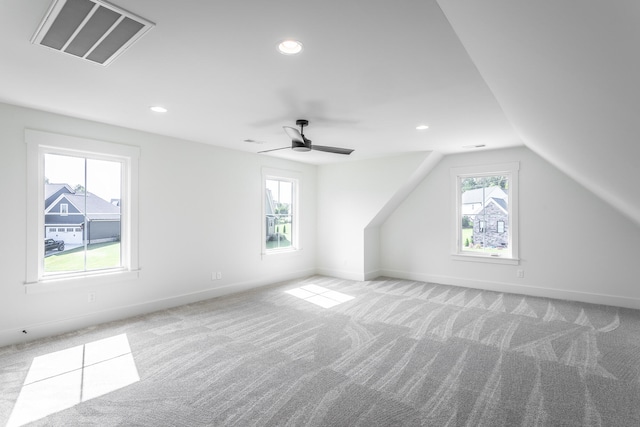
475,72
476,195
96,208
51,189
269,207
500,203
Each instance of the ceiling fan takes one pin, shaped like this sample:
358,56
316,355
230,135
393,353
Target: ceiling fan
300,143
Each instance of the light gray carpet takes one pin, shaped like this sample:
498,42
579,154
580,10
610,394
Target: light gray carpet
398,353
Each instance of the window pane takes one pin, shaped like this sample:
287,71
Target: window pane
83,195
103,214
279,214
485,214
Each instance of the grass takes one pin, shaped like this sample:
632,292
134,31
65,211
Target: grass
274,244
99,256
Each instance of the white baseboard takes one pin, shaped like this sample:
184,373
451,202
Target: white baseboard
515,288
370,275
63,325
342,274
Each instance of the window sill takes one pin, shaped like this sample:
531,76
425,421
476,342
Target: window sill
486,259
281,252
55,284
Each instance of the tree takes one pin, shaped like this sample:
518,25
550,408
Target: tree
79,188
282,208
472,183
466,222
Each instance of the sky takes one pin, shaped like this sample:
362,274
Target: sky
281,191
102,177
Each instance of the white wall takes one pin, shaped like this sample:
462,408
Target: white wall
200,212
350,197
572,244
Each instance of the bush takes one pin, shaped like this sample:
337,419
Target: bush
466,242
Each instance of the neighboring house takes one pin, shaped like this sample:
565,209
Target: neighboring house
490,226
488,210
270,214
66,212
473,201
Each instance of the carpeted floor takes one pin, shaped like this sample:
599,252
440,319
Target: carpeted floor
397,353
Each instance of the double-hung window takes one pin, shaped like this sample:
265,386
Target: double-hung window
486,213
280,211
82,209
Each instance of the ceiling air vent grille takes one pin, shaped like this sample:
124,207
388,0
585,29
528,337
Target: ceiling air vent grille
90,29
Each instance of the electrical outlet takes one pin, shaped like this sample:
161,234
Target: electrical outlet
219,275
91,297
520,274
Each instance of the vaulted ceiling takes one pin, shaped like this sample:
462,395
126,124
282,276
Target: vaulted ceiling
559,77
566,74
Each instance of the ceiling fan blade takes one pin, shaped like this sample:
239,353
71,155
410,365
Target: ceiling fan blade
274,149
294,134
335,150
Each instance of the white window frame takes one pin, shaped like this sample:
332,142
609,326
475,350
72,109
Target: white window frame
296,179
40,143
64,209
510,169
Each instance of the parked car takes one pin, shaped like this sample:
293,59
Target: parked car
50,244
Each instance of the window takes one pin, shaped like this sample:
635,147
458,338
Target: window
486,204
71,183
280,211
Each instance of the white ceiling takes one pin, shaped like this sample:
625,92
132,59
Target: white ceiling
558,77
370,72
567,74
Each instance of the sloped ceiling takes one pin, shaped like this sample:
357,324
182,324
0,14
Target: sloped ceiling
558,76
566,74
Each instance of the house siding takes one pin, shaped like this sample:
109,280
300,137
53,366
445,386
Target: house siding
103,231
491,214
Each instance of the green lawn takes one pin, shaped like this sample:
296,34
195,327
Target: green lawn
285,230
99,256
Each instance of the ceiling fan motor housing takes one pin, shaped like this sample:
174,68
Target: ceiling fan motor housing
299,146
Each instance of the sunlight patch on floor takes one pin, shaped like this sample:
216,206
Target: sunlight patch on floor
318,295
62,379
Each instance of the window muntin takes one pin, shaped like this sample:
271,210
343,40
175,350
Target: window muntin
486,212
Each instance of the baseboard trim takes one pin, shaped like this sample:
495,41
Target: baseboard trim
342,274
516,288
60,326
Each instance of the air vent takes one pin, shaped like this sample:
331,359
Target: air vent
90,29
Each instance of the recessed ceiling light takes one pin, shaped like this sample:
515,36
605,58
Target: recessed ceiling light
158,109
290,47
422,127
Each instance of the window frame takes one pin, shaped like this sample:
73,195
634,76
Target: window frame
296,179
510,169
40,143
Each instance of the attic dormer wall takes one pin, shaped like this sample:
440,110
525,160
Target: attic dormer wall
572,245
